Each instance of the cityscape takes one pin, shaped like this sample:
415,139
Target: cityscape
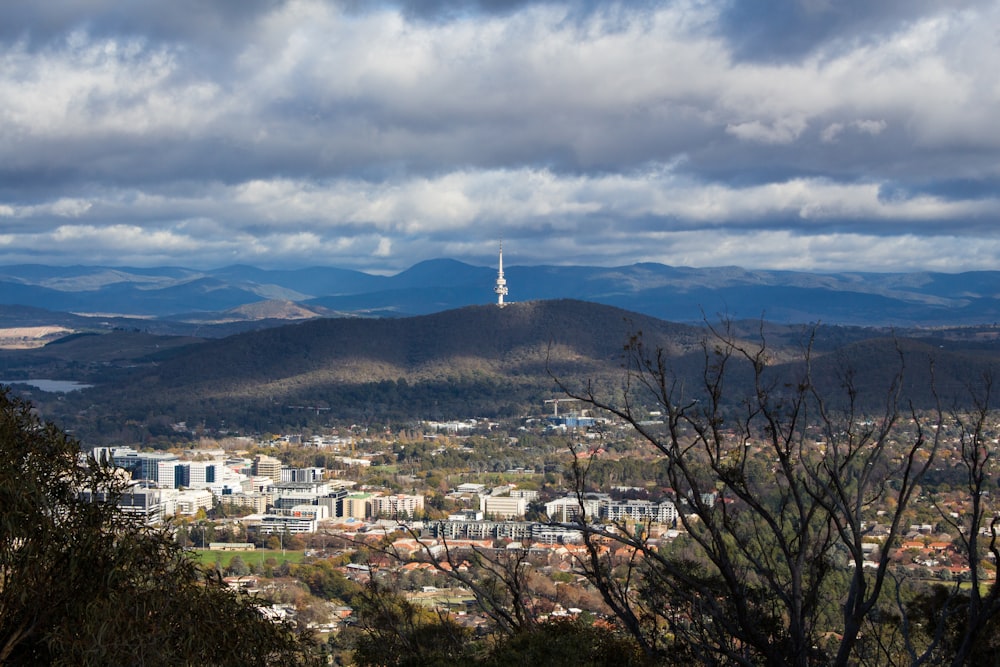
419,333
424,507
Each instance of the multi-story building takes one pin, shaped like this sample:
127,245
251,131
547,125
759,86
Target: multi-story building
504,507
302,474
317,512
258,502
202,474
214,475
504,530
272,524
639,510
357,506
142,465
546,534
171,474
151,505
399,506
190,501
334,502
289,494
258,484
481,530
570,508
267,466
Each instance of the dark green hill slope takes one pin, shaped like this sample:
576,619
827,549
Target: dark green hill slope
474,361
472,342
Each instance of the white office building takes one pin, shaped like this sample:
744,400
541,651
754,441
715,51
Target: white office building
273,524
639,510
570,508
504,507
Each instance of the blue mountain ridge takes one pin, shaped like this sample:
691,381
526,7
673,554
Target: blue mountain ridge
681,294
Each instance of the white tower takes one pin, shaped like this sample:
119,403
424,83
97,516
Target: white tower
501,288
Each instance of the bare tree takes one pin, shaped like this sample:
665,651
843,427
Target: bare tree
498,579
792,503
779,489
958,616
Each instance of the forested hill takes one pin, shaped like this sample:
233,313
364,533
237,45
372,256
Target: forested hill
522,341
473,361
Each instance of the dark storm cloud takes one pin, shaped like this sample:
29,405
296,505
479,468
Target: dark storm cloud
786,30
40,23
448,9
445,10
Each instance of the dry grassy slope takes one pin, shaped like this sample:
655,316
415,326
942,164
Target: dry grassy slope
273,309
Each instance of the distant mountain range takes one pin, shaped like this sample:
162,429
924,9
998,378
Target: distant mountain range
223,301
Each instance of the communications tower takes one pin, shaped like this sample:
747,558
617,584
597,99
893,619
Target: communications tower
501,287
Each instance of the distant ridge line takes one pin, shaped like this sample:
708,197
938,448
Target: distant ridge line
681,294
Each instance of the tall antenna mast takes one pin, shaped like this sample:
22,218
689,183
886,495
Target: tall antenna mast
501,287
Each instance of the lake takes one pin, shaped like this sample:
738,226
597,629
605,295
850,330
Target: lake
53,386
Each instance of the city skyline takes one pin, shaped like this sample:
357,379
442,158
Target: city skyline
801,135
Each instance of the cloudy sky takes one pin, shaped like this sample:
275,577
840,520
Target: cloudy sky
793,134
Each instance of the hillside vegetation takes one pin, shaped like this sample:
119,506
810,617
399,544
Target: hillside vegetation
474,361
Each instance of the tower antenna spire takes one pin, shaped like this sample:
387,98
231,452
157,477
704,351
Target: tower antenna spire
501,286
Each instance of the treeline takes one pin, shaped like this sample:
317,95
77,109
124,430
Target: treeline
150,417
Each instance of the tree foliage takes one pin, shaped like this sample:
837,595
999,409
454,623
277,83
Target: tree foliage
567,642
395,632
82,583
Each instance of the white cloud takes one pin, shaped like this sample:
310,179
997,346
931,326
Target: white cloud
783,131
456,201
621,215
787,250
384,248
97,87
318,134
831,132
870,127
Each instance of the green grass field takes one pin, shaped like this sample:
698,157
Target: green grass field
257,556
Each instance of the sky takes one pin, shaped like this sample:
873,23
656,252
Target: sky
816,135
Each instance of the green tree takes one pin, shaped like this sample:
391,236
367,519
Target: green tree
325,581
397,633
237,567
81,583
568,643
